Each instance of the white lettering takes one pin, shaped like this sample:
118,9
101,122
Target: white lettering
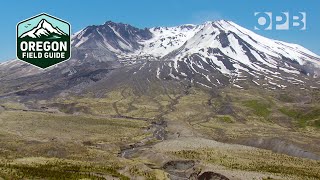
23,46
46,46
54,46
32,46
63,46
39,46
43,46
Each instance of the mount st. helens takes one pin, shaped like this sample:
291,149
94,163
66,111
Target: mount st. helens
154,102
211,54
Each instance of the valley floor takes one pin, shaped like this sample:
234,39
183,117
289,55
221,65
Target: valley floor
173,134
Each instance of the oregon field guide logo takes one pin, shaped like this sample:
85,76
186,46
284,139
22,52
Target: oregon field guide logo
43,40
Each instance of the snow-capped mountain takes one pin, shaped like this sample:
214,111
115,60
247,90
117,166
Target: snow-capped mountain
211,54
117,38
43,28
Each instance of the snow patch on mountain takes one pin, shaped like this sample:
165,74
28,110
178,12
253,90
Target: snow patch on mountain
203,51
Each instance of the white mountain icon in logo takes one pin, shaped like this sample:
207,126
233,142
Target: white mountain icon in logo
44,29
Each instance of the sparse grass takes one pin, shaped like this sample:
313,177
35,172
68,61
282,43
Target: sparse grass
58,169
137,171
260,108
317,123
285,97
256,160
96,135
44,125
226,119
105,136
119,102
49,135
13,105
193,107
290,112
303,117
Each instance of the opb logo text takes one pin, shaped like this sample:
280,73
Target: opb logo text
280,21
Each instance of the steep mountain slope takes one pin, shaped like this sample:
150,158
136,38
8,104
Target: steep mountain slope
101,42
236,52
210,55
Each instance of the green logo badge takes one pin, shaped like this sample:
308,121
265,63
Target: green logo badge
43,40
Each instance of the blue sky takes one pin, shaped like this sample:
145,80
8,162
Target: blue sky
147,13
